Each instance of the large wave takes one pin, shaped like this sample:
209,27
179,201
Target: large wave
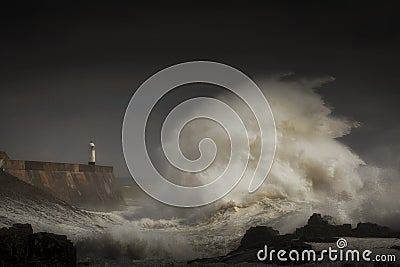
312,166
313,171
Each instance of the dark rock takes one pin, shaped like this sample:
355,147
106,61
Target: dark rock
13,243
51,248
316,219
254,240
371,230
19,246
319,229
256,236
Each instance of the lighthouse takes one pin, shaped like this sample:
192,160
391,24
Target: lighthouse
92,153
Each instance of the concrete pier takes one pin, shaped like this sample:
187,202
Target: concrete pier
87,186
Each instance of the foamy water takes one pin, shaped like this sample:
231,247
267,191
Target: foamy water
312,172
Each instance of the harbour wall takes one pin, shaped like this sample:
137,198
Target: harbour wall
86,186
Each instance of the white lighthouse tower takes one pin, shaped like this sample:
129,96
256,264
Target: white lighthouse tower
92,153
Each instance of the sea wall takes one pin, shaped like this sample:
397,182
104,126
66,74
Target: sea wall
85,186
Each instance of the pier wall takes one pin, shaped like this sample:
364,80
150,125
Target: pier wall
86,186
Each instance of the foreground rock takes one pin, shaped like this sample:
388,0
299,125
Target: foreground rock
255,239
373,230
318,230
19,246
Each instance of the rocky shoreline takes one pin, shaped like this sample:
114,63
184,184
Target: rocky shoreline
317,230
19,246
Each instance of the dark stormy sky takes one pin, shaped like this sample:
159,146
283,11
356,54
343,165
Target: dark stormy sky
68,70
